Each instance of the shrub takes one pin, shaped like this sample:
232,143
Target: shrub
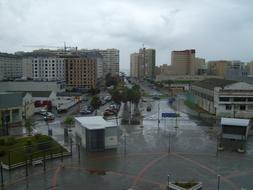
44,145
10,141
2,153
2,142
37,136
28,143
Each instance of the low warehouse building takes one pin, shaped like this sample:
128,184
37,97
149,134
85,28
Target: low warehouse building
96,134
224,98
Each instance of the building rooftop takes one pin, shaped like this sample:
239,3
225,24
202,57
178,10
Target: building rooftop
10,99
212,83
40,93
95,122
235,122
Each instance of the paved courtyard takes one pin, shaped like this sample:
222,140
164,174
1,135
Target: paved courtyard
144,159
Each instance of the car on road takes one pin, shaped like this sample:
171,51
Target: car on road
43,112
149,108
156,98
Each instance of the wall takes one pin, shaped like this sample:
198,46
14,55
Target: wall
111,137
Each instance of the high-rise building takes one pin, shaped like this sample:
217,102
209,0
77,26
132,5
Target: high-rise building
10,66
80,72
143,63
134,65
250,68
183,62
200,66
110,59
219,67
147,59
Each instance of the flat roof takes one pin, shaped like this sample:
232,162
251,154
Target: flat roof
95,122
235,122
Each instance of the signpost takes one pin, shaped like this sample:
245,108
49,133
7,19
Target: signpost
169,115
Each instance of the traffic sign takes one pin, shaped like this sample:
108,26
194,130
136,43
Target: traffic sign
169,115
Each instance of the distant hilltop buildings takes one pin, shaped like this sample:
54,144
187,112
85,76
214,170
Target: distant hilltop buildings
79,68
186,65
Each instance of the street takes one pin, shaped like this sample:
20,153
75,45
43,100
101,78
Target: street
184,148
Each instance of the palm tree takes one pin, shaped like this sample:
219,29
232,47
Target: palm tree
95,103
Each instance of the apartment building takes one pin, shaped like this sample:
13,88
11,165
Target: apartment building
110,59
183,62
134,65
48,68
142,64
147,60
219,67
10,66
80,72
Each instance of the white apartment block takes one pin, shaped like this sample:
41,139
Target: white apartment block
10,66
48,68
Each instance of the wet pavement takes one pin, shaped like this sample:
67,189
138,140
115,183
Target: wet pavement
144,158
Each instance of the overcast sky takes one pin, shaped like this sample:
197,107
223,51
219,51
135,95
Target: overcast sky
217,29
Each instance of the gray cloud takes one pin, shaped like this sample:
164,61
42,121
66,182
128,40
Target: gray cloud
218,29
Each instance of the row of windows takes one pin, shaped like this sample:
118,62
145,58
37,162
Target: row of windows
236,99
47,61
241,107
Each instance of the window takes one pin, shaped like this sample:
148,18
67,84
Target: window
250,99
224,99
228,107
239,99
242,107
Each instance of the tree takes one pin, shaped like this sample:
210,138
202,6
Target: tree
28,126
116,96
95,102
69,121
94,91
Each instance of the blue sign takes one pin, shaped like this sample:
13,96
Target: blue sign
169,115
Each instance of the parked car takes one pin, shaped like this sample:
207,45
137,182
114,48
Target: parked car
86,110
109,113
49,116
43,112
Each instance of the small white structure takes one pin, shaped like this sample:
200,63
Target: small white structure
96,134
237,129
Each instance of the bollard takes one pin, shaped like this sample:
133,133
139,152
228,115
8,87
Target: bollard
44,162
168,178
26,167
9,160
71,146
2,176
124,144
61,156
218,182
78,149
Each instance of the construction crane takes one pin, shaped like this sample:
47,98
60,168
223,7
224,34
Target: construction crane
64,47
